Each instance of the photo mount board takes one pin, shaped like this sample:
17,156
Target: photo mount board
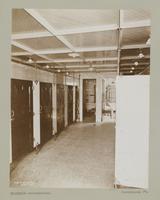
132,131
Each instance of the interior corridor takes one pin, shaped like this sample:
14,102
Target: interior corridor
82,156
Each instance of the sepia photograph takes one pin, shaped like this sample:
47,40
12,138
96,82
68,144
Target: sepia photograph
79,93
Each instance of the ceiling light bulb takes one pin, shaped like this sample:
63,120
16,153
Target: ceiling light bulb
67,73
131,71
148,41
141,55
132,68
47,66
59,70
30,60
73,54
136,63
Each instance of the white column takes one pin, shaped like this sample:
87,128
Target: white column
10,144
66,105
36,111
81,100
98,99
54,105
74,102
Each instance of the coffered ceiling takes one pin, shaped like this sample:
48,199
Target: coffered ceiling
82,40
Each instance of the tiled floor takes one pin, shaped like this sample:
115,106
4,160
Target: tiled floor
81,157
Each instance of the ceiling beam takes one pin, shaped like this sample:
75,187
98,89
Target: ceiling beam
85,49
29,35
25,53
88,70
136,24
89,29
134,57
77,60
87,66
135,46
131,64
49,27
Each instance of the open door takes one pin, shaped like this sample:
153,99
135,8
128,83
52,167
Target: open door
89,100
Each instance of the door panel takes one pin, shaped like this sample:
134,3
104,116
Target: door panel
76,104
60,107
21,117
70,105
45,112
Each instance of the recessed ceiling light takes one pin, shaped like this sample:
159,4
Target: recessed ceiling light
131,71
136,63
58,70
73,54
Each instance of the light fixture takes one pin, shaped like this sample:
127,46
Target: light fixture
132,68
148,41
141,55
47,66
131,71
74,54
30,60
136,63
58,70
91,68
67,73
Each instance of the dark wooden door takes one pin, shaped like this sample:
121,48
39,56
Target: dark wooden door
45,112
76,103
21,117
60,107
70,105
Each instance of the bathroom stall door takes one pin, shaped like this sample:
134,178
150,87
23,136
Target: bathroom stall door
21,117
76,103
70,105
132,131
60,107
45,112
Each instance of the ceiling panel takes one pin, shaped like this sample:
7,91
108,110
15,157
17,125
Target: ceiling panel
78,18
15,49
133,36
91,54
96,39
99,54
59,56
131,15
134,52
42,43
23,22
